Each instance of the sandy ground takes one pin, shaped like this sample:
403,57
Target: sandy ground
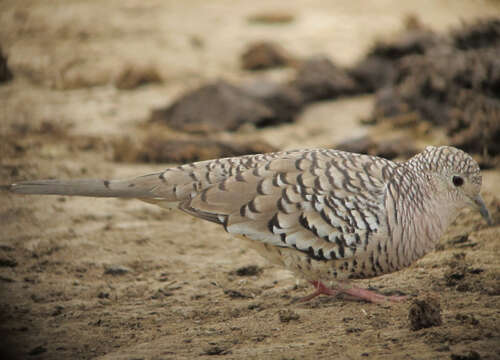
112,279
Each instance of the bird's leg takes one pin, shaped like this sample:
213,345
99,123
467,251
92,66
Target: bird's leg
368,295
320,289
353,291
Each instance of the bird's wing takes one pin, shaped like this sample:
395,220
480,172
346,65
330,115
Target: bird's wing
323,202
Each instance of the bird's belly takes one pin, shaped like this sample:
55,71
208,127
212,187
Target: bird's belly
310,269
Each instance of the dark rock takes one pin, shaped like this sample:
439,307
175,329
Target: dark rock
264,55
214,107
424,313
319,79
285,101
373,72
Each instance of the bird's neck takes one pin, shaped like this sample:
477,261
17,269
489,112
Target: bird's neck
419,217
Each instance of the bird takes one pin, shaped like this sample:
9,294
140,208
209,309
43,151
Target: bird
329,216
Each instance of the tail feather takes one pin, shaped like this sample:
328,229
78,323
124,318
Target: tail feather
142,187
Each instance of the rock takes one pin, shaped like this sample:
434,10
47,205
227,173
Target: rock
319,79
215,107
285,101
265,55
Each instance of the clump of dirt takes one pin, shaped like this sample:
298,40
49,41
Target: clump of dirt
265,55
250,270
462,277
225,107
5,73
424,313
455,87
288,315
166,148
133,76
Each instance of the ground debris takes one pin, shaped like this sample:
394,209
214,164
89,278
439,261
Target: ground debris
424,313
249,270
116,270
288,315
471,355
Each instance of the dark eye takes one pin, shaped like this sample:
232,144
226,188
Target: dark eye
458,181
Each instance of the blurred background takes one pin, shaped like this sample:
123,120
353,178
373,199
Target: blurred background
115,88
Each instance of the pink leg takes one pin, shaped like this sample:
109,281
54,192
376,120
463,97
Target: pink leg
320,289
370,296
356,292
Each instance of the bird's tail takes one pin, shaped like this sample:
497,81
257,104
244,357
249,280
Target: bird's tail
140,187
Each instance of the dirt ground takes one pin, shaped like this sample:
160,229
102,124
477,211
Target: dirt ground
85,278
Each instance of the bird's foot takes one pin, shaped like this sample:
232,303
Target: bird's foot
320,289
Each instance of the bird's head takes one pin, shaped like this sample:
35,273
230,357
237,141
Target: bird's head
457,176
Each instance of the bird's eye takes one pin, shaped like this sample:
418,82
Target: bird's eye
458,181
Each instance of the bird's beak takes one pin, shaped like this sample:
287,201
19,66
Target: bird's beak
479,202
